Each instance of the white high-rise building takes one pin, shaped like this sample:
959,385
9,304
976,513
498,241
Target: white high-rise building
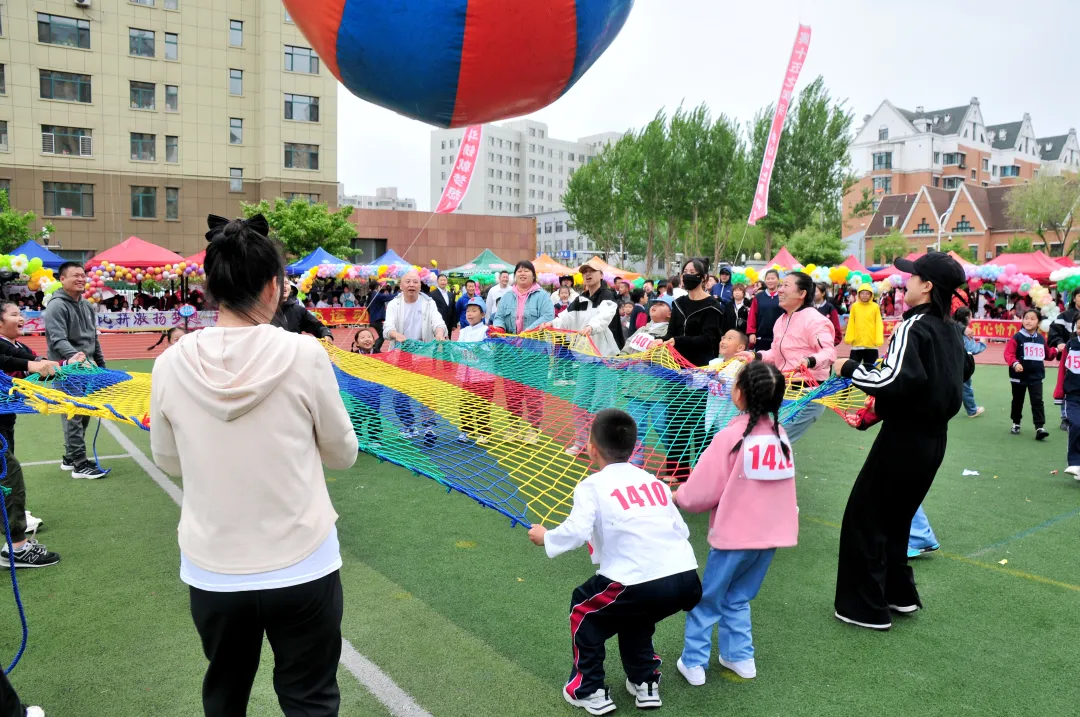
521,168
384,198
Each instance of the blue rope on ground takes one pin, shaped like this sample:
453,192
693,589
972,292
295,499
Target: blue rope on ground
11,560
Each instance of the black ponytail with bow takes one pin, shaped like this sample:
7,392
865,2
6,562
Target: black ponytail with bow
240,261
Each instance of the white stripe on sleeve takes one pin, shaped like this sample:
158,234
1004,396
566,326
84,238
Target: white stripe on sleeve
886,374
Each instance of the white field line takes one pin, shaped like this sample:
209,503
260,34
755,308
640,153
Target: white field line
395,699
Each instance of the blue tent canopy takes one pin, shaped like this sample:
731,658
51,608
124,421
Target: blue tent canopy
319,256
390,258
33,249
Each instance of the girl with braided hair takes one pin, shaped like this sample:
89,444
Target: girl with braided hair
746,479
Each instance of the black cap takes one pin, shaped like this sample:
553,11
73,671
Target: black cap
937,267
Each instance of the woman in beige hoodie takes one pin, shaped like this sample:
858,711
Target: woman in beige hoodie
249,414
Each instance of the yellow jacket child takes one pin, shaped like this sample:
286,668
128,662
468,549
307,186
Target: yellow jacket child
865,329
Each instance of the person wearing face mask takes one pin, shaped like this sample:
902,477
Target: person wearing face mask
764,311
698,321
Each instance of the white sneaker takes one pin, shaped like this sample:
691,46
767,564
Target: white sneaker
32,523
694,675
575,449
35,712
745,669
1073,470
904,609
598,703
462,438
881,627
646,695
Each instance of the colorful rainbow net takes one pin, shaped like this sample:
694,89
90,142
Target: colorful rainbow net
503,421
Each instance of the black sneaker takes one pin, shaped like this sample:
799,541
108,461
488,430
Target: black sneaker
1064,424
88,470
33,555
1015,430
1041,434
66,464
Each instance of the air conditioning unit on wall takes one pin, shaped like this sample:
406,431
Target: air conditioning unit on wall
82,3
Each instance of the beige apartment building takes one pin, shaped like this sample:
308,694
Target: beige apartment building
140,117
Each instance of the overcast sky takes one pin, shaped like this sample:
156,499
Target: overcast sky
1015,57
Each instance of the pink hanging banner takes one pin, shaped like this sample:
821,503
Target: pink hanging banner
468,155
791,78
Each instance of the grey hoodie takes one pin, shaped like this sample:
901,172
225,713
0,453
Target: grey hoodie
71,327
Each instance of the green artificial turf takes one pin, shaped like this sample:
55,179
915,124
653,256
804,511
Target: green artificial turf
470,618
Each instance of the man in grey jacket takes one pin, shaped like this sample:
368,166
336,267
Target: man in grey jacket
71,328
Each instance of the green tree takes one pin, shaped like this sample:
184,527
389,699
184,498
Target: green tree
1019,245
814,246
303,227
865,206
15,226
1048,204
960,248
890,247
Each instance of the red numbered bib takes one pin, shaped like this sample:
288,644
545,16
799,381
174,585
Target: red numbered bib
641,341
764,459
1072,362
1034,351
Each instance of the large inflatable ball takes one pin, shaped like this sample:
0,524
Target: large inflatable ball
452,63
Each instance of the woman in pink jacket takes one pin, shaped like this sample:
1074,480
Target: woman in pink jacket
803,339
746,478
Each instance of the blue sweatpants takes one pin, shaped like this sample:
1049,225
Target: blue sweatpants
732,579
921,535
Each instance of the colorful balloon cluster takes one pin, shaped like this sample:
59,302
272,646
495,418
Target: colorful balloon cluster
363,272
99,274
1067,280
37,277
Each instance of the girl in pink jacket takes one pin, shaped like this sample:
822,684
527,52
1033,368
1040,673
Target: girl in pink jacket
746,479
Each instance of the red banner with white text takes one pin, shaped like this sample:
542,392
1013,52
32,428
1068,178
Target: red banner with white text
787,92
461,175
989,329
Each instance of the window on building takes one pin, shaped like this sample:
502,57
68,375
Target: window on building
973,174
236,82
3,79
301,108
951,158
876,203
937,181
140,42
963,225
172,149
986,165
172,46
172,98
236,179
994,172
540,133
301,156
236,130
3,136
569,226
68,200
236,33
883,133
1010,171
952,182
301,59
67,141
143,95
558,227
882,160
288,19
147,3
937,157
65,86
172,4
143,147
144,202
547,227
491,173
882,185
59,30
172,203
924,227
532,133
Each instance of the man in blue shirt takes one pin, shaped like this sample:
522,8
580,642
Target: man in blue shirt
722,289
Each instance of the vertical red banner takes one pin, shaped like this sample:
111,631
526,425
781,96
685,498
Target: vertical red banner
791,78
461,175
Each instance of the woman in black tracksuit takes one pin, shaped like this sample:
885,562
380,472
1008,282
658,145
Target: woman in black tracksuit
917,390
698,321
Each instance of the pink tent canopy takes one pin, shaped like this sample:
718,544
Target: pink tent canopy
852,263
1035,264
199,258
1065,262
134,253
890,269
784,259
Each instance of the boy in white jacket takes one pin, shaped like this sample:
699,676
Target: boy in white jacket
478,386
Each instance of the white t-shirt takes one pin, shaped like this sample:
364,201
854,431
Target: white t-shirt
412,320
325,560
628,516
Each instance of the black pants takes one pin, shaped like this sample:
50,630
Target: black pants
763,343
10,706
16,502
601,608
872,571
7,429
303,624
1034,392
867,357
